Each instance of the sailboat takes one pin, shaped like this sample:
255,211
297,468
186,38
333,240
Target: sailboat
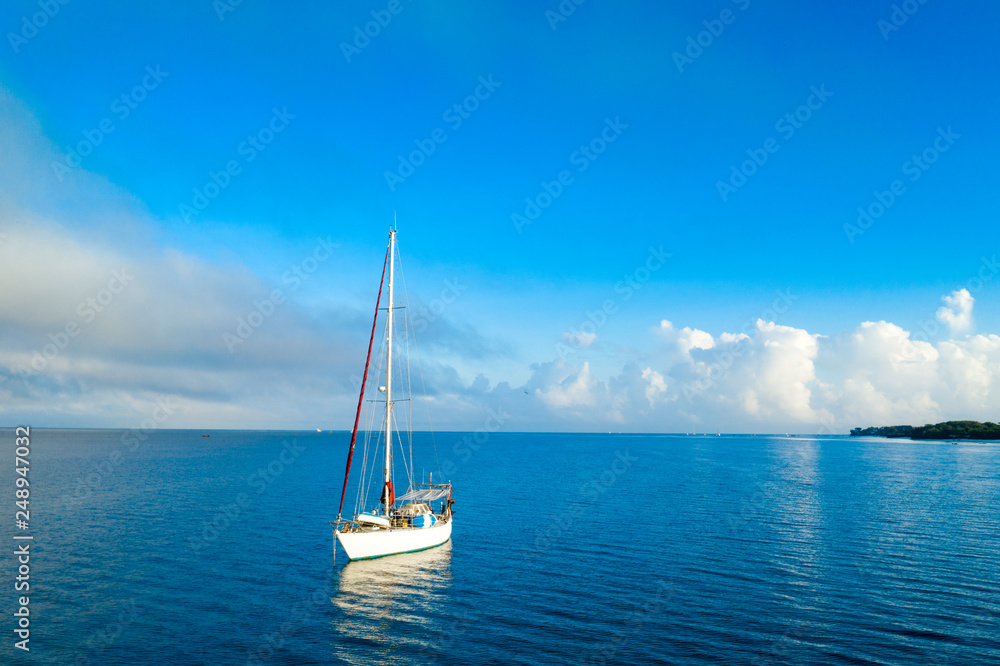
419,519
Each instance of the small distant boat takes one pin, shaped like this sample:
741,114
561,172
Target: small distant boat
419,519
318,430
206,435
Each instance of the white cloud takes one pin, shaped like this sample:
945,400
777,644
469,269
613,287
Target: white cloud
971,370
685,339
573,389
657,385
73,352
957,310
580,339
785,372
161,337
779,379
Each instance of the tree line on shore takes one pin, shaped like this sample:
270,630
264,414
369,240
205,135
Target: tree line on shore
945,430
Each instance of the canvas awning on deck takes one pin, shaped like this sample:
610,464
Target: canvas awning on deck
424,495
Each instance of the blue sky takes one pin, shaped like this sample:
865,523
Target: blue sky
555,85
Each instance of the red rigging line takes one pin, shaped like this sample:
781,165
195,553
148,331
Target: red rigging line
364,380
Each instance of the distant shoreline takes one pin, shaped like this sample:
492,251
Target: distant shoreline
971,430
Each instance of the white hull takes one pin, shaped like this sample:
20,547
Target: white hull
379,542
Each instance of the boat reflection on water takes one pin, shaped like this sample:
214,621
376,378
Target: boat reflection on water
394,606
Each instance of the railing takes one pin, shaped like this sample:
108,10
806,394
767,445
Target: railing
394,523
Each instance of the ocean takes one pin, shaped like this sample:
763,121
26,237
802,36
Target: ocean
567,549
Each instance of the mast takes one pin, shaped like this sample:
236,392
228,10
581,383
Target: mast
388,375
361,396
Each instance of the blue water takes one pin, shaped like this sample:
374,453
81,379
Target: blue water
567,549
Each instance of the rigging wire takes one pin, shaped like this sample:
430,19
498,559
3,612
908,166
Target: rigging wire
408,325
403,373
376,437
403,339
402,454
371,433
420,373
